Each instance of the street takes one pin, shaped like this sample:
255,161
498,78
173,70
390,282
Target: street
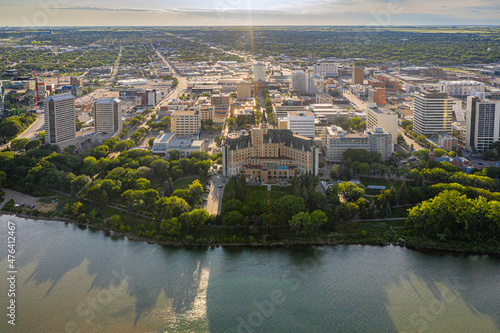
214,198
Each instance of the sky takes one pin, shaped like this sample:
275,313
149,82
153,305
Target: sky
247,12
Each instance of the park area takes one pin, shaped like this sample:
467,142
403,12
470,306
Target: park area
261,193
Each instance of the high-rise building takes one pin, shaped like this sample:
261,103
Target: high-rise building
358,75
482,124
259,72
384,118
298,81
338,141
432,112
186,122
60,120
244,89
376,95
108,115
301,123
315,84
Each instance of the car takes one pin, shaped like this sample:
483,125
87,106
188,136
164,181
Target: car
480,163
221,186
205,199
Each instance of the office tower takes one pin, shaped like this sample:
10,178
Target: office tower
298,81
108,115
482,124
358,75
60,121
186,122
243,89
376,95
301,123
432,112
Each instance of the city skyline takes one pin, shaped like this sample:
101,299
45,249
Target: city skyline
245,12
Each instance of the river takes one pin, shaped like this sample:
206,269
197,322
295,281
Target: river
73,279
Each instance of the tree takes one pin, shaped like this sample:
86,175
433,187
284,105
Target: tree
171,227
438,152
79,183
174,155
288,206
3,178
198,217
69,149
355,123
19,144
233,218
151,141
33,144
388,210
167,208
196,190
90,167
351,191
161,167
230,205
334,173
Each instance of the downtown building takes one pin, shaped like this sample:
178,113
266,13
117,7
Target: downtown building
301,123
186,122
382,117
108,115
460,88
482,124
338,141
432,112
60,119
269,153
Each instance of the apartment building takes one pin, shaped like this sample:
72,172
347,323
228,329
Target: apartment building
108,115
358,75
482,124
432,112
60,120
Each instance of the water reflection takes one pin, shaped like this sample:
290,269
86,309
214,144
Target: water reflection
89,281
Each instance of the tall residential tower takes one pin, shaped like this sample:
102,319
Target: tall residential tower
60,120
108,115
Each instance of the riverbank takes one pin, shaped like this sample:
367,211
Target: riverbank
323,240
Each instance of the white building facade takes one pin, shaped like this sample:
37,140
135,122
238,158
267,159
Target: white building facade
60,119
482,124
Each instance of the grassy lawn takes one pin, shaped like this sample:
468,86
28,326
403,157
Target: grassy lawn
260,193
400,212
184,183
